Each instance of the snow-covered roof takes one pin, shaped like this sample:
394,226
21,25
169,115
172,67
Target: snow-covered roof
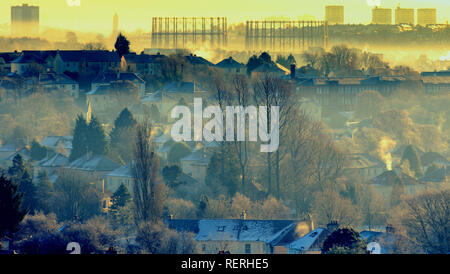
57,160
94,163
200,157
240,230
53,141
123,171
305,242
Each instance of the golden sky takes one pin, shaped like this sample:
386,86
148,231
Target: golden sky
96,15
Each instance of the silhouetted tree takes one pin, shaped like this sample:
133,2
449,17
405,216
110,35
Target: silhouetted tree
44,192
37,152
20,174
410,154
343,240
80,136
147,189
11,212
120,198
177,152
122,45
96,138
121,136
171,175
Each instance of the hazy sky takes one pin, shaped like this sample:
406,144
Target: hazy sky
96,15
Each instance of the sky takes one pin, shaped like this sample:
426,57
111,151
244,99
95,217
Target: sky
96,15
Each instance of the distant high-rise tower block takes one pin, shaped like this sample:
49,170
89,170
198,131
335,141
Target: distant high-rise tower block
25,20
381,16
334,15
426,17
115,24
404,16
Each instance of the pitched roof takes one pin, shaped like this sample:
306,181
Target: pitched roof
57,160
391,177
436,77
94,163
8,57
433,157
89,56
100,90
182,87
53,141
143,58
234,229
200,157
26,58
305,242
197,60
9,148
439,175
24,152
229,63
106,78
123,171
240,230
364,160
155,97
53,78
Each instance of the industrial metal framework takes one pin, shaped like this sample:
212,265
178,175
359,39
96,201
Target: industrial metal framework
191,32
284,36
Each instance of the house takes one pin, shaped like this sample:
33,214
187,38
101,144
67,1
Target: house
433,158
310,243
94,166
385,183
437,177
86,61
5,61
50,164
104,98
195,60
231,65
196,164
60,144
24,152
171,94
120,175
144,63
59,83
8,150
337,94
437,82
27,64
108,77
364,166
239,236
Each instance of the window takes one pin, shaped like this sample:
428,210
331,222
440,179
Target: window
248,249
221,228
203,247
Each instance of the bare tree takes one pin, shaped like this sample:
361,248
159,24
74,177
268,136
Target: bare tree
223,97
242,97
147,187
427,221
263,89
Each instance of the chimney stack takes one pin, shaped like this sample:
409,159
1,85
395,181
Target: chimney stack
390,229
332,226
244,215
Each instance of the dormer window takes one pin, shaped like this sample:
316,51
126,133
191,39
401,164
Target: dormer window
221,228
